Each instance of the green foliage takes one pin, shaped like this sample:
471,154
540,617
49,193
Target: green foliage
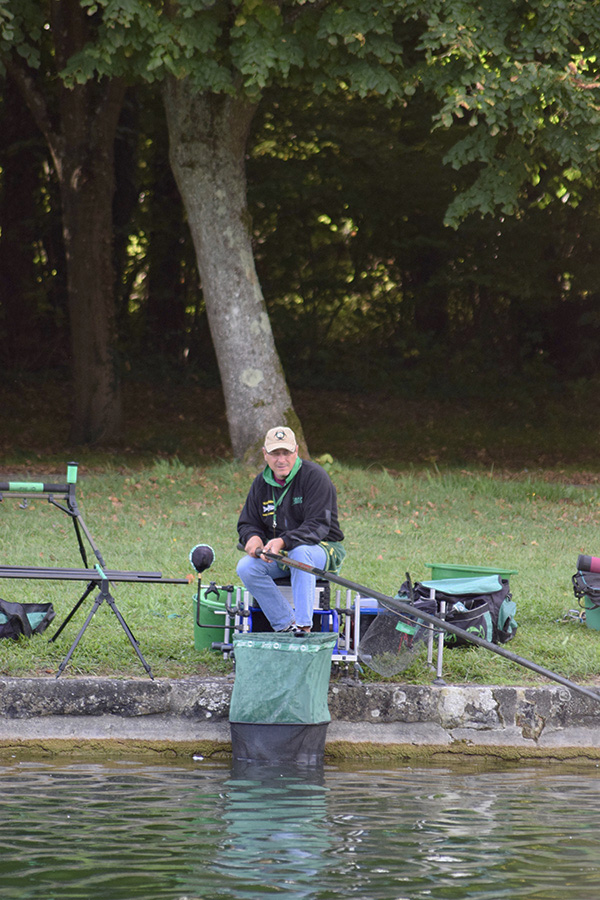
245,45
517,83
524,78
364,284
22,29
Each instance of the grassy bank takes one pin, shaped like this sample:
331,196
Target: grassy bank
148,516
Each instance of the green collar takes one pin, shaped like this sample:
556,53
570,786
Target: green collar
270,478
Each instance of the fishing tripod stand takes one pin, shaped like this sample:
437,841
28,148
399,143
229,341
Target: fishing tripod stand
97,577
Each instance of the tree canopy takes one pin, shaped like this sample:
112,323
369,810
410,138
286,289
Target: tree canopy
519,81
364,125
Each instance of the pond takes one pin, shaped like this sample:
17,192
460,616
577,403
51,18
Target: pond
125,829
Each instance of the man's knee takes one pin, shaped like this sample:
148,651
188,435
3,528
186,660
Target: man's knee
244,566
301,553
311,554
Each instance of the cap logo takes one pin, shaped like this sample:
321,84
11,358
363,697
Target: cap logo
280,435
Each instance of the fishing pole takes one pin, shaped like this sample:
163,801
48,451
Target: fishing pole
398,606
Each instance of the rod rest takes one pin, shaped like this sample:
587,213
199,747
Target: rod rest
41,572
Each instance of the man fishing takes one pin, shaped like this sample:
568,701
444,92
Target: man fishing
291,508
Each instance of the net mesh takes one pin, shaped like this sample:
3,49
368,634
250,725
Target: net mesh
392,642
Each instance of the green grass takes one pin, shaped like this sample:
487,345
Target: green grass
148,517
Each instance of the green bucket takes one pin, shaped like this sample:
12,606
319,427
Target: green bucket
446,570
209,619
592,615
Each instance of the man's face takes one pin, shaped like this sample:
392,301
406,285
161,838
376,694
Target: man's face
280,461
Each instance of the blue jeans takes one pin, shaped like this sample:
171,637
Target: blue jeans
259,576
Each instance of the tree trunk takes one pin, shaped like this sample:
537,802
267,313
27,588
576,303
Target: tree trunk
20,162
87,228
208,134
166,299
81,139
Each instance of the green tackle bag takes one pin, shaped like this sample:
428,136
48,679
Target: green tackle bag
26,619
487,610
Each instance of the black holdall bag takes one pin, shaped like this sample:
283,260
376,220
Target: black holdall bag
586,582
26,619
489,616
586,587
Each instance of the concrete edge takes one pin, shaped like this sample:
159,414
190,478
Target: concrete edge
184,717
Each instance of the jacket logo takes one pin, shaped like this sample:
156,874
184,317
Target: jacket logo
296,500
268,508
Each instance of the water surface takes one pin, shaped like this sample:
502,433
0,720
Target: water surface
125,830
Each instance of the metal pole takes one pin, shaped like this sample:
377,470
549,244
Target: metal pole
407,609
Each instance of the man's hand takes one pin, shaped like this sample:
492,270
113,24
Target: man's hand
254,545
275,545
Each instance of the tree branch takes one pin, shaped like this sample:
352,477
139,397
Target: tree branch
36,103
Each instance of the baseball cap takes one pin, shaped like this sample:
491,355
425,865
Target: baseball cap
280,438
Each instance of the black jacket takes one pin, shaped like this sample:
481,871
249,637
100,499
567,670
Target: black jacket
304,511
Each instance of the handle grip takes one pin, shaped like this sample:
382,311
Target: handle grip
241,547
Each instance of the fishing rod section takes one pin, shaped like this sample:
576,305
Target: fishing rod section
399,607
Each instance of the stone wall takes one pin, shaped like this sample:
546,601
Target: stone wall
186,715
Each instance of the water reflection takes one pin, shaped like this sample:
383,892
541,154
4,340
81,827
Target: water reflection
278,831
204,831
117,832
518,833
